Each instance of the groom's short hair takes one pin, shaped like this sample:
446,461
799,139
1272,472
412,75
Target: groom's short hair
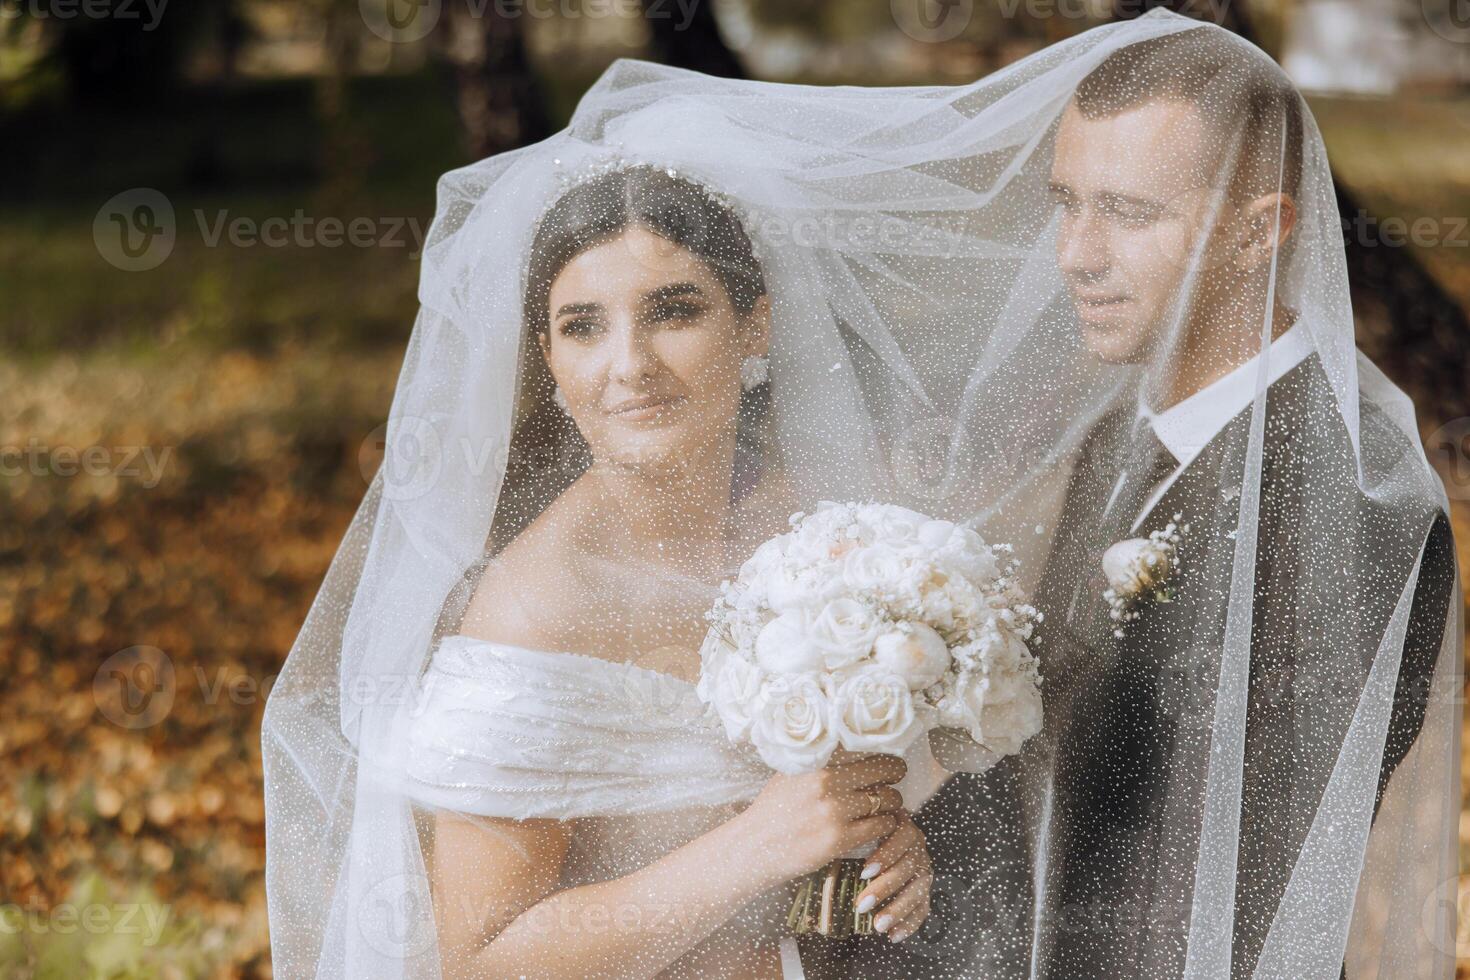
1234,88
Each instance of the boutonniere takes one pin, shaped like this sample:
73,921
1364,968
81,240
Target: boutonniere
1138,570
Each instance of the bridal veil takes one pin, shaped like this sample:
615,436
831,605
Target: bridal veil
1293,690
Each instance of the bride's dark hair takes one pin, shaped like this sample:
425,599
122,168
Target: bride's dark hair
547,453
672,207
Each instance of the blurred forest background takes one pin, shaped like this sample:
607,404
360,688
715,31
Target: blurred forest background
190,416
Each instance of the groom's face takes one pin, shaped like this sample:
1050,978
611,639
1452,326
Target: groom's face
1133,192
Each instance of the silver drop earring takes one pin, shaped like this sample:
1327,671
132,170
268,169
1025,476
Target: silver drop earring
560,399
754,372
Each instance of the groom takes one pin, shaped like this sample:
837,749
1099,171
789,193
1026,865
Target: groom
1129,717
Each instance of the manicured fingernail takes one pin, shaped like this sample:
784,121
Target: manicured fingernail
867,903
883,922
898,936
870,869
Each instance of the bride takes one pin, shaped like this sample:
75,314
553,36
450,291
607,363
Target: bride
645,302
486,755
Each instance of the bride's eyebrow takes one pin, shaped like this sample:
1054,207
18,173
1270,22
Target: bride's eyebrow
671,291
573,309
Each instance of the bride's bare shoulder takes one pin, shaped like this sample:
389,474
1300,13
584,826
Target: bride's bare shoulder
525,593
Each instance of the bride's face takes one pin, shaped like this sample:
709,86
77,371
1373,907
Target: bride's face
646,348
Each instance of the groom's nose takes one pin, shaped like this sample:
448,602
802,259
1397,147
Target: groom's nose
1082,248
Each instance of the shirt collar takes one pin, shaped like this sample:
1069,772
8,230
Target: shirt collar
1188,427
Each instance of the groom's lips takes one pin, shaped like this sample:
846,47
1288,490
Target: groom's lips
1101,301
1094,306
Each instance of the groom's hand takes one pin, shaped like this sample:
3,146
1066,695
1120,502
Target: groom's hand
900,891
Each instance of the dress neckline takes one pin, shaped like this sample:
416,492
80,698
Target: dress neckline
570,657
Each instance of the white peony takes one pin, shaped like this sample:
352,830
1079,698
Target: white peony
914,652
874,712
784,589
1008,724
789,645
934,535
999,709
792,726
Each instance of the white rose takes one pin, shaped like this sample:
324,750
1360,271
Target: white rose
892,520
914,652
873,711
1135,565
845,629
788,644
732,686
792,725
877,567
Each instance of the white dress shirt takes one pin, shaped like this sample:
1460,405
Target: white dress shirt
1187,427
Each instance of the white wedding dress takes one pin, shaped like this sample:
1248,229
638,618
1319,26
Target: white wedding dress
627,754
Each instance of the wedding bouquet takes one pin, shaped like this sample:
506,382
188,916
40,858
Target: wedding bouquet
865,627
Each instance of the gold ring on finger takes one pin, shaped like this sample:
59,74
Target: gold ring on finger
875,803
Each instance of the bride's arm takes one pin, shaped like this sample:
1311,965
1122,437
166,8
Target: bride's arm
500,914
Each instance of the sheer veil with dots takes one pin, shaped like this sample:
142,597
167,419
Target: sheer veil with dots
1252,773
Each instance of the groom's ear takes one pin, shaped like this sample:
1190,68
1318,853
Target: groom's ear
1266,224
758,327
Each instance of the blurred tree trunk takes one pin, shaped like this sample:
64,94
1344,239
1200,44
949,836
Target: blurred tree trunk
1406,322
696,44
500,102
343,156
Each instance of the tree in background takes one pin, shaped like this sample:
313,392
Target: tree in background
695,44
500,101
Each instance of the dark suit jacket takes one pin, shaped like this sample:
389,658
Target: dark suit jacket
1129,719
